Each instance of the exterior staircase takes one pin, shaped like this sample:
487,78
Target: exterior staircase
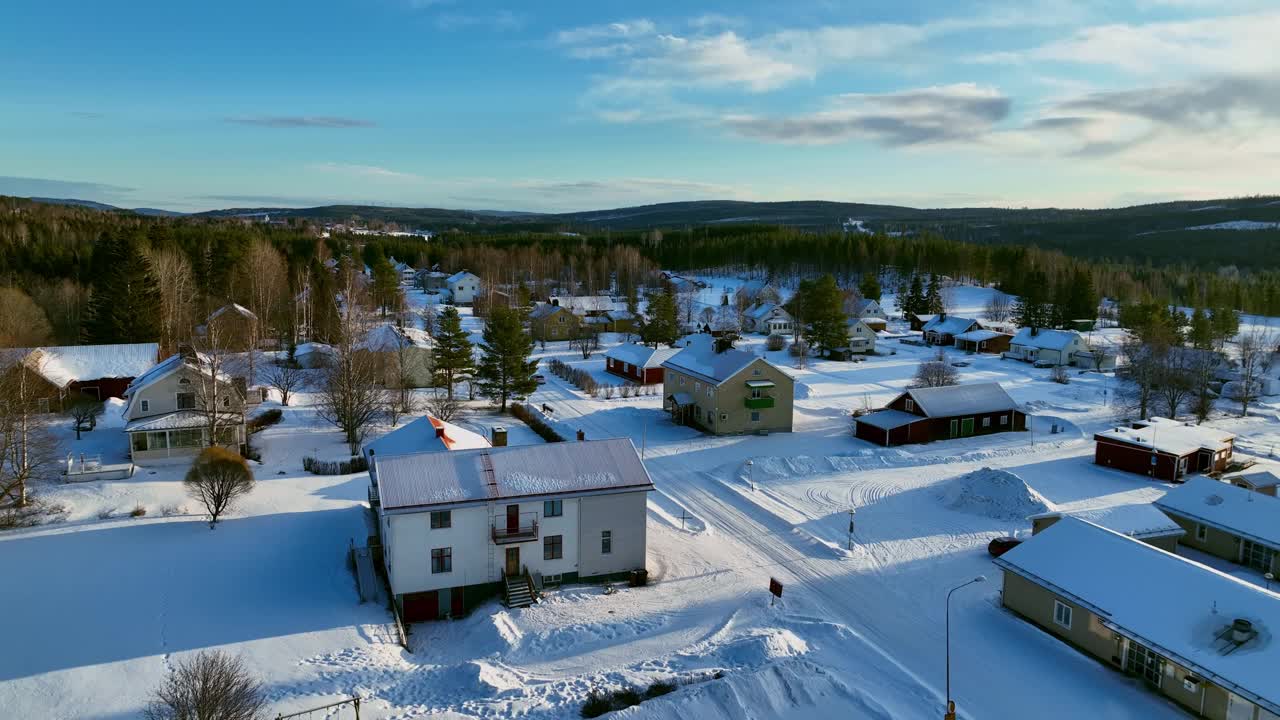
518,595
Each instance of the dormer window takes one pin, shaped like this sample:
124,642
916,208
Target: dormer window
184,381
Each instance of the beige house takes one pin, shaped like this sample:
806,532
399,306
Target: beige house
1201,638
166,414
549,322
726,393
1140,521
1230,522
403,355
236,328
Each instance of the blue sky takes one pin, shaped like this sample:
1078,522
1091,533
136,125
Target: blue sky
585,105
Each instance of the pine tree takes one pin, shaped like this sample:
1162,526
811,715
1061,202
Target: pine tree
125,307
505,371
1082,299
386,284
451,357
1201,335
663,325
1225,323
820,306
916,304
869,288
933,299
325,325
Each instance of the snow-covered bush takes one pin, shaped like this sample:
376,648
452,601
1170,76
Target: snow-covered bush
775,342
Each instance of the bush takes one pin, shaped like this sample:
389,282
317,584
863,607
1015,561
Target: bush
138,511
264,420
799,348
660,688
212,684
335,467
775,343
596,705
522,413
1060,375
217,479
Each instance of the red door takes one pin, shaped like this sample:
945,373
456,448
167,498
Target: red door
513,518
421,606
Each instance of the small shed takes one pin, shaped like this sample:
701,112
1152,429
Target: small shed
983,341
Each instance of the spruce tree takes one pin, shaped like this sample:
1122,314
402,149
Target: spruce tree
663,325
826,325
915,297
869,288
505,371
452,357
125,307
321,296
933,300
1201,335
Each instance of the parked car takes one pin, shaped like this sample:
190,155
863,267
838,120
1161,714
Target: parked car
540,379
1002,545
1043,364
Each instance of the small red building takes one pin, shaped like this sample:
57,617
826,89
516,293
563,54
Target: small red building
1164,449
638,363
95,371
925,414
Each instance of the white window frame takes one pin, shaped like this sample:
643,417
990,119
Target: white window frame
755,416
146,405
910,405
1202,532
1004,419
1062,610
986,422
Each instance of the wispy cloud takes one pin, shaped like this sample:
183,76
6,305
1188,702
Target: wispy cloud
300,121
86,115
501,21
44,187
364,171
911,117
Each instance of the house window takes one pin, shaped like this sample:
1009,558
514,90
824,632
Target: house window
1202,532
441,519
139,442
146,406
157,440
755,393
1145,664
553,547
1062,614
441,560
1004,419
755,416
43,405
552,508
186,438
606,542
755,371
910,405
986,422
724,417
186,401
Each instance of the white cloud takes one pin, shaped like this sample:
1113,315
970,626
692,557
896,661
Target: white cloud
940,114
364,171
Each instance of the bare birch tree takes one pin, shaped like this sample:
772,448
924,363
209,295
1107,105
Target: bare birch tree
177,296
216,397
28,450
1257,351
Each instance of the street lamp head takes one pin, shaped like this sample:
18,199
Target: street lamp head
980,578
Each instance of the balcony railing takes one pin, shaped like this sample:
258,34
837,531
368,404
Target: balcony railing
758,403
505,533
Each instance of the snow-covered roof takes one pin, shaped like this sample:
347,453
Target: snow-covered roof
466,476
425,434
389,338
460,276
179,420
952,400
763,310
621,315
581,304
1045,339
1170,436
865,307
545,310
640,355
1137,520
888,419
314,347
1117,577
65,364
979,335
233,307
1256,476
949,325
1237,510
710,365
160,369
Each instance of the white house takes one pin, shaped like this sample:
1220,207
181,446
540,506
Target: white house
463,287
167,415
868,308
768,318
862,339
1037,345
458,527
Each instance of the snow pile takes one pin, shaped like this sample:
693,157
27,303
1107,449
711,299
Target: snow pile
997,494
112,413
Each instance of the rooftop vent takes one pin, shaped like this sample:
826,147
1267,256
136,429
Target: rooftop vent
1213,500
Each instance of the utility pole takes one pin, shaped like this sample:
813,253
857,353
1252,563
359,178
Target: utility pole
850,528
751,474
951,706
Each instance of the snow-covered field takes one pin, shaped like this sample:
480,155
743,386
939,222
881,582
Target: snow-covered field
101,606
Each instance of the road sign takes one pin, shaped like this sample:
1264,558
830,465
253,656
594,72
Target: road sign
775,587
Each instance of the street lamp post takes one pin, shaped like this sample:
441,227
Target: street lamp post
751,474
951,706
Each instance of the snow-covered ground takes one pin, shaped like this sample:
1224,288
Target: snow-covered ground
106,603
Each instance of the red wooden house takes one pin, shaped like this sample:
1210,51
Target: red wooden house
638,363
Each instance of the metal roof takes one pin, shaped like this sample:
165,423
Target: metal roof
888,419
470,476
1236,510
952,400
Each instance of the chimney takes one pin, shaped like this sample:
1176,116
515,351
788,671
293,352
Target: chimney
498,436
581,436
942,315
1034,331
439,432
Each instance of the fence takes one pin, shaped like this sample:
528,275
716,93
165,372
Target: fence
353,701
83,468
